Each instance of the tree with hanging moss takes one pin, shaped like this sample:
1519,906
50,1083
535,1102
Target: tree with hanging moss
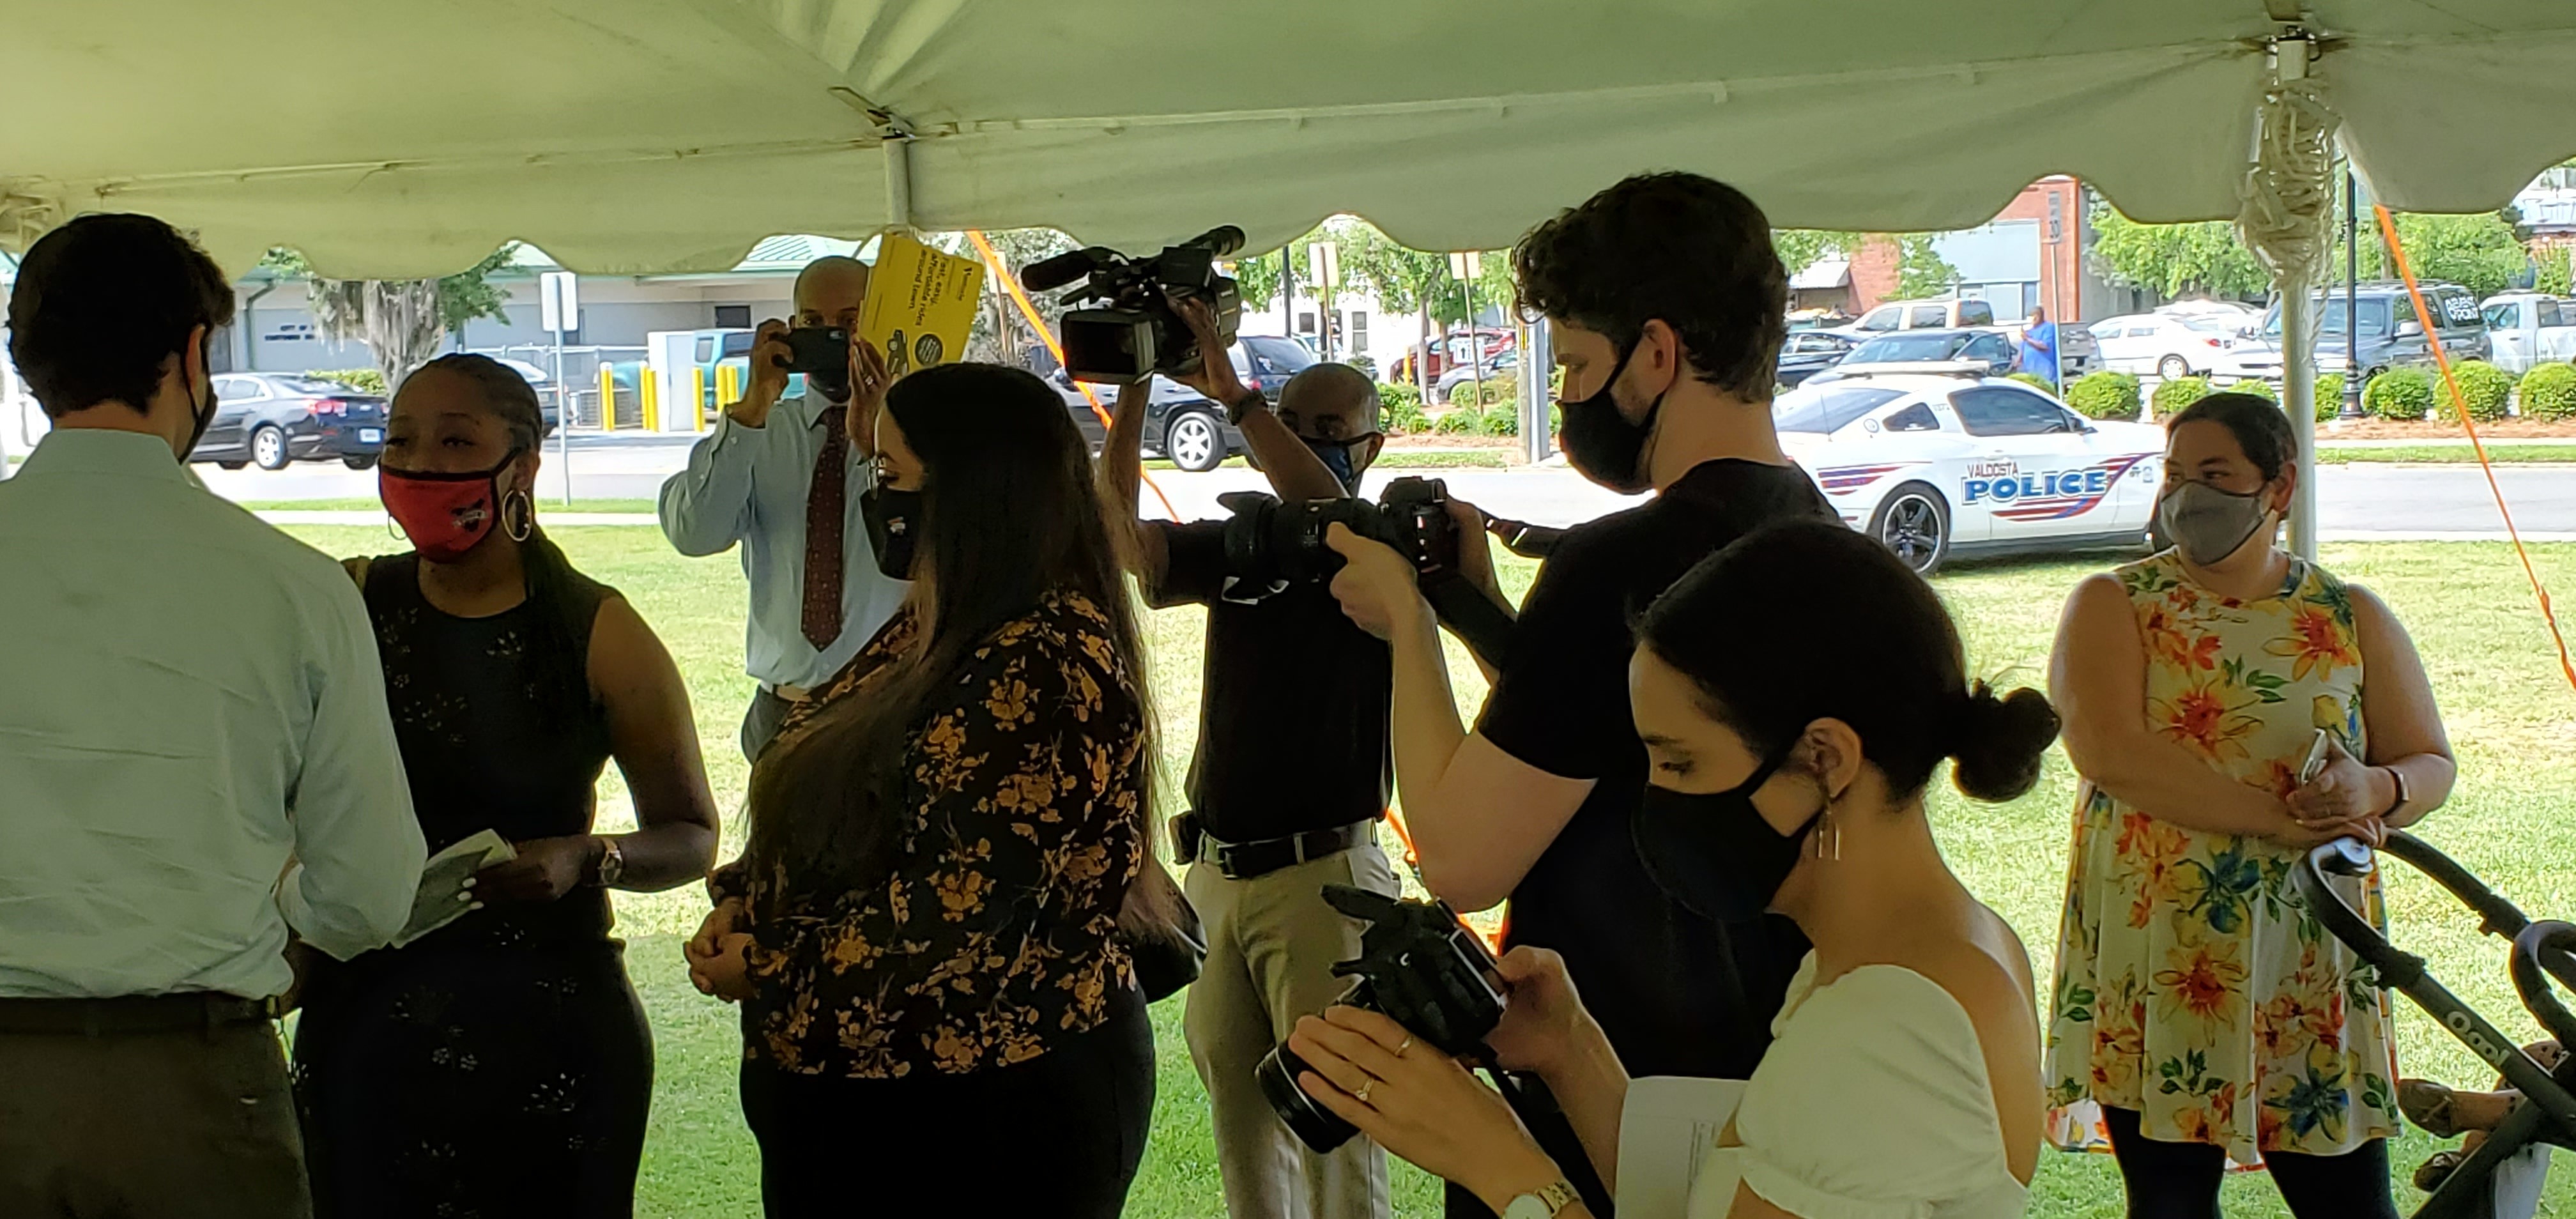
402,322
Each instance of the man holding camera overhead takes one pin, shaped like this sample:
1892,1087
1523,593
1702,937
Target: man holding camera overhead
1290,775
779,476
1666,301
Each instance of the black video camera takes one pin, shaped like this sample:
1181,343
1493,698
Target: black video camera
1420,967
1134,333
1269,541
822,353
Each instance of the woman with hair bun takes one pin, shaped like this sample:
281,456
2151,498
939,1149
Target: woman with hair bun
1790,765
2201,1014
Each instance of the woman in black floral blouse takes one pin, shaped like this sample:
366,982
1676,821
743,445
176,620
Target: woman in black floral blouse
921,928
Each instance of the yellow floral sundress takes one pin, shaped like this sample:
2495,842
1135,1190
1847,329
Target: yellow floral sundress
2192,983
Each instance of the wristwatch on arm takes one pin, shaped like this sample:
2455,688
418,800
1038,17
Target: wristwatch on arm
1550,1201
1250,401
610,866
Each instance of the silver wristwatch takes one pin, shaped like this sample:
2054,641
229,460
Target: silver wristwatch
1549,1202
612,862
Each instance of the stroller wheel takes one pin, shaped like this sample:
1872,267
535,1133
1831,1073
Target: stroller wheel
2438,1168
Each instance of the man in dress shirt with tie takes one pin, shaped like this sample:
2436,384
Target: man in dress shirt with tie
195,756
780,476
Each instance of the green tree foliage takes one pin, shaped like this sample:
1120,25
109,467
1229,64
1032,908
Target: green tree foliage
1920,269
402,322
2485,386
2033,380
2175,259
2553,273
2171,396
1000,333
1800,248
1399,408
2105,395
2402,394
2479,251
2549,392
368,379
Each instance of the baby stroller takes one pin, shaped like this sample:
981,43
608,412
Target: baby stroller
2501,1179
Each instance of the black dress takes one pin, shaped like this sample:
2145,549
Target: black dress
500,1065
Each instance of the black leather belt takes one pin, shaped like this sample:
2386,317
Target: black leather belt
1245,860
133,1014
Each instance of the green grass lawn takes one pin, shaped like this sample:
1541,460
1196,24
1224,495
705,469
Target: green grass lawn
2448,454
2507,708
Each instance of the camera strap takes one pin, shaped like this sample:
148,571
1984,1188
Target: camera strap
1471,615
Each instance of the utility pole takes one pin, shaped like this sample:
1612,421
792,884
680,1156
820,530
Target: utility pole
1287,292
1465,267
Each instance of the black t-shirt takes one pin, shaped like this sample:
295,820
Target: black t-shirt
1293,712
1676,993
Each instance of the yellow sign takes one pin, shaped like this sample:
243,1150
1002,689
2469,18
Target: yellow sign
921,303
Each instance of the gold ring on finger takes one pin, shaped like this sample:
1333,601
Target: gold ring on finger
1362,1095
1406,1044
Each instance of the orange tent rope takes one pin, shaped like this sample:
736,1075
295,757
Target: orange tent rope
2460,403
1029,310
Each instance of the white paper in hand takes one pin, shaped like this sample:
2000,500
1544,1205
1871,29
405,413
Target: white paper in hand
1668,1127
442,897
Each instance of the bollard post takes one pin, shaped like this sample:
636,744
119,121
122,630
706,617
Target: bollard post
728,385
698,398
607,396
649,386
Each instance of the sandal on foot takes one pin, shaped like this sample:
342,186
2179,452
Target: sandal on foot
2427,1104
2438,1168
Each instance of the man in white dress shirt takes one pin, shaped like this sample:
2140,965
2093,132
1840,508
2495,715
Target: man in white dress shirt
780,477
195,756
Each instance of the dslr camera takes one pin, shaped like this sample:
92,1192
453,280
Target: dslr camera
1133,333
1418,966
1270,542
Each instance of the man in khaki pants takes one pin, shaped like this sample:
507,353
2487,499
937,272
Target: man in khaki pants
1289,780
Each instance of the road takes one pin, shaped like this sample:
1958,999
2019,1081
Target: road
2358,501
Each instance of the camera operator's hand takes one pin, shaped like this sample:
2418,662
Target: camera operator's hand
1375,585
1419,1103
1215,379
769,357
1544,1026
1476,550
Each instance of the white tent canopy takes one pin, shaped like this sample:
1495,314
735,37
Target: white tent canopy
397,138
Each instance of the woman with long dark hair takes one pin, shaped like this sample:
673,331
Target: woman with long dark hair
1789,769
922,928
501,1065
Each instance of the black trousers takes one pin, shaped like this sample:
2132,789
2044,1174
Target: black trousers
760,721
2180,1180
1059,1135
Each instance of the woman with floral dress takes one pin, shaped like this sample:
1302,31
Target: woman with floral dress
2200,1013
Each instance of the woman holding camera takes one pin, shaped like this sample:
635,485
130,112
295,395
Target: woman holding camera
1788,773
2230,706
922,928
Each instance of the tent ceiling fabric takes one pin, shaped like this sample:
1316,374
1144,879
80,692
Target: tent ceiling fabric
408,137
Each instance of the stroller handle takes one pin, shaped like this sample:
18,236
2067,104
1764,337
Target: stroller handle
2497,916
2542,951
2351,857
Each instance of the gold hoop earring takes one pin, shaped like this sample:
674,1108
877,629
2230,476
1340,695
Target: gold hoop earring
518,516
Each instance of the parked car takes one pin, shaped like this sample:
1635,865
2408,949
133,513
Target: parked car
549,403
1982,352
1501,367
1942,466
2390,334
1179,423
2168,345
272,419
1808,352
1946,314
2525,329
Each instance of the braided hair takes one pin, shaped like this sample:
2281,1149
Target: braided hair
562,664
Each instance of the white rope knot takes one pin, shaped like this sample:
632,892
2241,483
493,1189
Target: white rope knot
24,218
2287,220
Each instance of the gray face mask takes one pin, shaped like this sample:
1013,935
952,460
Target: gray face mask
2208,524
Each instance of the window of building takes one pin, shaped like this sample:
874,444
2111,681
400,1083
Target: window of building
730,317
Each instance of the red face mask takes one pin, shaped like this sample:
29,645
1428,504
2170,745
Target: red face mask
445,515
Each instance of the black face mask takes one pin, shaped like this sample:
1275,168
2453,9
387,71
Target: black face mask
1713,852
893,519
1339,457
1601,443
204,414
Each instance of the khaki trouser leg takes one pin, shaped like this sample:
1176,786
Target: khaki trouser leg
1272,944
148,1126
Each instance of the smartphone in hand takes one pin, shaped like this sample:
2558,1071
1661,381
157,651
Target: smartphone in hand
2316,763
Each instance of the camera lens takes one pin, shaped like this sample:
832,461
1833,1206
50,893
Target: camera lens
1313,1124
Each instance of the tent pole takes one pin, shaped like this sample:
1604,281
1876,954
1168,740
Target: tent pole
898,155
2298,397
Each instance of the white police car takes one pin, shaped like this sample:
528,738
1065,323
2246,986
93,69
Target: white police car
1936,466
